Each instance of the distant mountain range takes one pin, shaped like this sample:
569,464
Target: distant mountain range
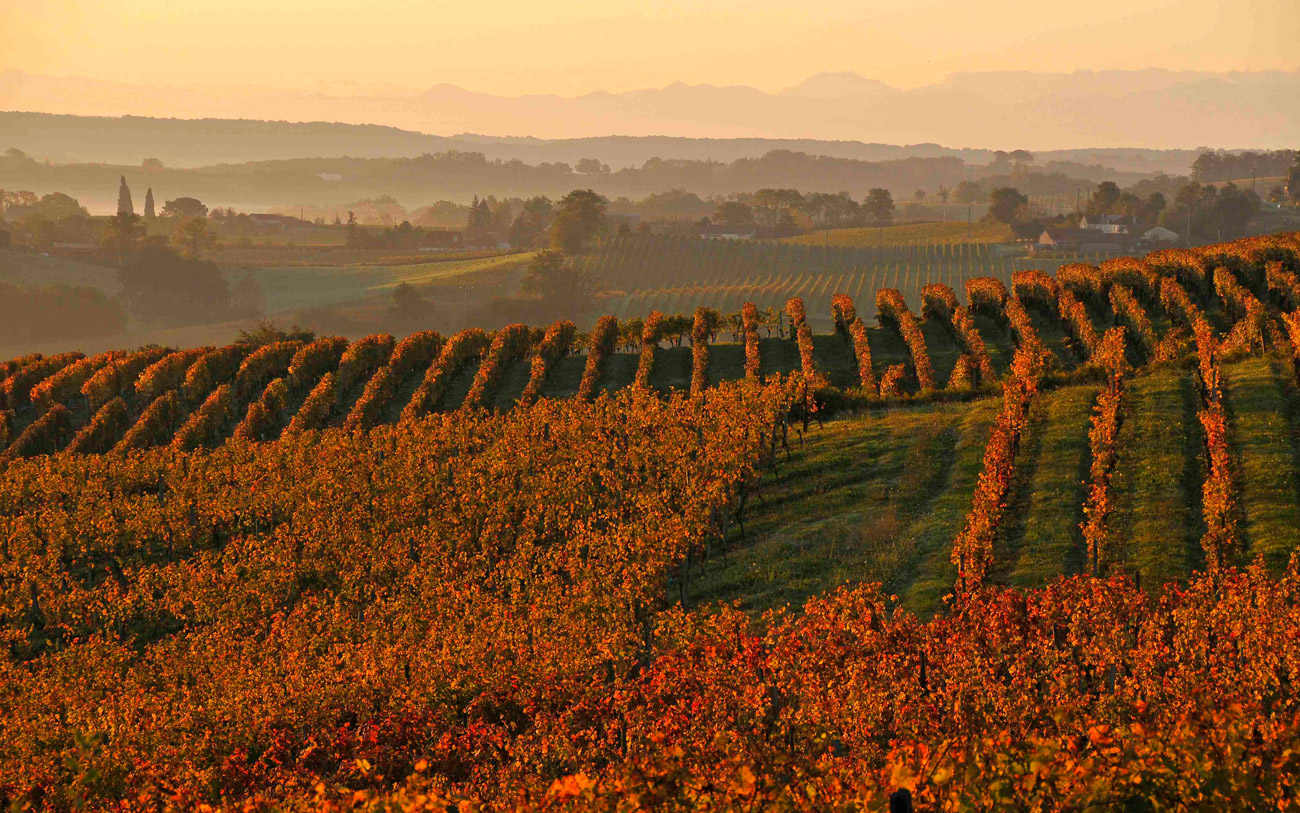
1150,109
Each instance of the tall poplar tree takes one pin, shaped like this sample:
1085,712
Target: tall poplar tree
124,204
148,203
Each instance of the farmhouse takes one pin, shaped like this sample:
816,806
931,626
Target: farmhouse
272,221
1159,235
1087,241
1107,224
729,232
442,240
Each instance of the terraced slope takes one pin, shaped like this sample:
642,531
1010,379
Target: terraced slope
677,274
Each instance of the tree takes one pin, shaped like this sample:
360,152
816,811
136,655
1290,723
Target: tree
124,204
579,215
193,236
770,204
57,206
1104,199
591,166
409,307
1005,204
944,192
159,284
1293,183
968,192
354,230
827,210
151,163
919,195
879,206
122,235
148,204
733,213
553,279
1152,208
184,208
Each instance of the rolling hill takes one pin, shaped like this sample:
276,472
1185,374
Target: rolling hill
1030,547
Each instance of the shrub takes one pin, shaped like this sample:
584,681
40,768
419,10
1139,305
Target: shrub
555,345
651,334
46,435
458,351
120,373
209,422
700,353
61,386
212,370
509,343
103,431
17,387
155,425
987,296
892,309
315,411
262,420
603,337
361,360
314,360
167,373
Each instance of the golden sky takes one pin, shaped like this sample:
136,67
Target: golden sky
576,46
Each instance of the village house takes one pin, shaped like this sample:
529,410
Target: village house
442,240
729,232
1087,241
1107,224
271,221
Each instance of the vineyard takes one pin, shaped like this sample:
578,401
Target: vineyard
739,553
648,273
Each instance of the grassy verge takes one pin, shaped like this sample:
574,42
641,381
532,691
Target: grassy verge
1264,444
850,505
834,358
671,370
776,356
929,574
1041,538
564,378
1157,521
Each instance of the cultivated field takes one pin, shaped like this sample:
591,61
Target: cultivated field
671,274
494,570
907,234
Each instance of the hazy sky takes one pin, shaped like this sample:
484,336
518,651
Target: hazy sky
575,46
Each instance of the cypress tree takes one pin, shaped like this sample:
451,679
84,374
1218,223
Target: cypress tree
124,204
148,203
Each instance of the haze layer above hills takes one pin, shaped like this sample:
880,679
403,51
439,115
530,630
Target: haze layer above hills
996,110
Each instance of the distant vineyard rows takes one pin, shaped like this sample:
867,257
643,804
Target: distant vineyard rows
669,274
1037,325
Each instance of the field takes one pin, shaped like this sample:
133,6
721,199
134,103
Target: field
670,274
34,270
908,234
1009,547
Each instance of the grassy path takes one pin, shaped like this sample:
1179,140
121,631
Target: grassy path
672,369
834,358
1264,444
511,384
1157,479
929,572
1041,537
777,355
565,376
853,504
458,387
